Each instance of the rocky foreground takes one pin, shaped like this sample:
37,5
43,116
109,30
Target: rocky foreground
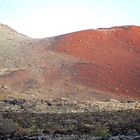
58,119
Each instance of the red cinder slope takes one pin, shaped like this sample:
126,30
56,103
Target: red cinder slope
91,64
109,59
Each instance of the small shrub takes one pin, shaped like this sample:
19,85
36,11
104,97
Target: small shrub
101,130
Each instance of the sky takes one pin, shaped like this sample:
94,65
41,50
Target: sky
45,18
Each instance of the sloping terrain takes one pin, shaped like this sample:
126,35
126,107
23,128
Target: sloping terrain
109,58
92,64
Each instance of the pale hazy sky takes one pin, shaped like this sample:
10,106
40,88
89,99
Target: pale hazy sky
44,18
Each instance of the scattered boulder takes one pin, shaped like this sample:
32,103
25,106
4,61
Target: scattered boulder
3,87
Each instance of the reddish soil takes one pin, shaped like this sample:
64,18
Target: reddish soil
111,59
14,78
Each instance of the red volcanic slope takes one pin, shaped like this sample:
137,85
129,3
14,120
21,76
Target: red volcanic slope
110,58
90,64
